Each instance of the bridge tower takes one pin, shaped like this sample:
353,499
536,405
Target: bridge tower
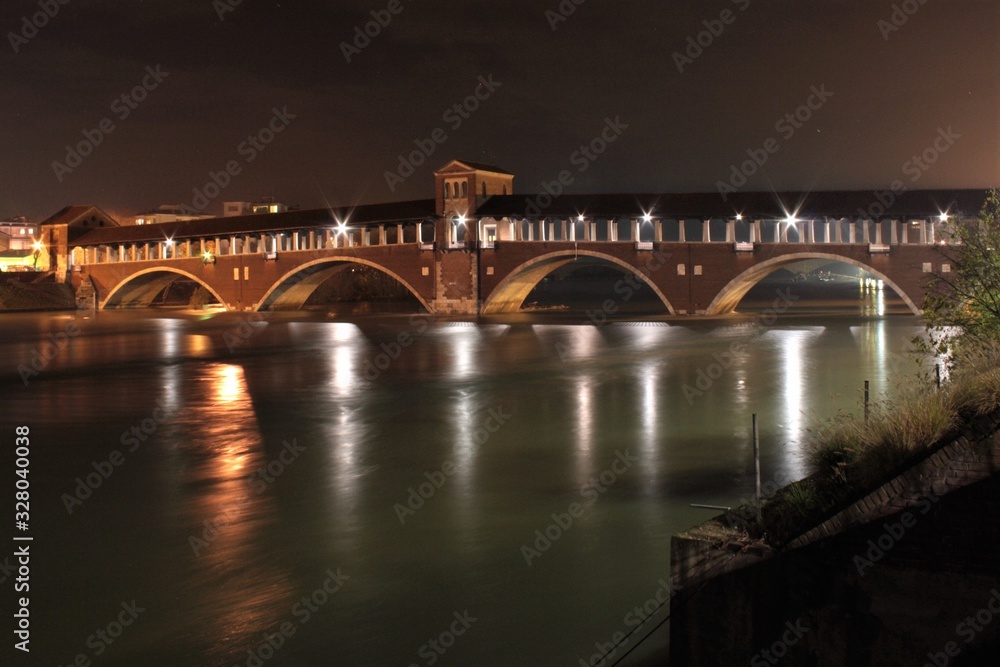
460,188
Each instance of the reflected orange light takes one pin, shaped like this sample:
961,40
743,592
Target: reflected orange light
228,384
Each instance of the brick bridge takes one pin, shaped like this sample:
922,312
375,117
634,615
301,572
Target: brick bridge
476,248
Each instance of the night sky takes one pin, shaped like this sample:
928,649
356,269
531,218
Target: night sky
895,87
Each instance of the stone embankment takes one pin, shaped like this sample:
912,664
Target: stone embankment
31,291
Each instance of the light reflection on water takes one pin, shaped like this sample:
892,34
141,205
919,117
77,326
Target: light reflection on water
576,393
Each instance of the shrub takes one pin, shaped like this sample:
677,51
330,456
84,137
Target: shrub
900,429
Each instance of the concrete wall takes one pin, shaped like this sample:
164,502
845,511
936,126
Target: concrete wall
891,580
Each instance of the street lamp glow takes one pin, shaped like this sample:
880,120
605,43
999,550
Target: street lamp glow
739,217
461,219
169,242
37,246
646,217
341,228
943,217
579,218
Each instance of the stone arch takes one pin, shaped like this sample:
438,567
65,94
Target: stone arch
730,296
508,296
295,287
142,292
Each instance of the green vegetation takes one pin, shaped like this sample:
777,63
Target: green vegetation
850,456
962,309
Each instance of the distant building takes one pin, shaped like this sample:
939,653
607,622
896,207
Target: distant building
167,213
232,209
18,234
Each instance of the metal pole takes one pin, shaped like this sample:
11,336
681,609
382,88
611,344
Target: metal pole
866,400
756,463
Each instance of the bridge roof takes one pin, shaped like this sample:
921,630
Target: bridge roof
423,209
760,205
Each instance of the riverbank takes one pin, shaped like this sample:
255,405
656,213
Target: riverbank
18,296
886,580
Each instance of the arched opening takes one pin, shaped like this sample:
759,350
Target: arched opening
343,285
578,281
161,288
816,282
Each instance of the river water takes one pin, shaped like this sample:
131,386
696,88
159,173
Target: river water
368,492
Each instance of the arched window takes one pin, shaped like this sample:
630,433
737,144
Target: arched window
505,188
484,189
465,189
447,190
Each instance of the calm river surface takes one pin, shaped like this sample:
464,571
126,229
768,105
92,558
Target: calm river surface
247,480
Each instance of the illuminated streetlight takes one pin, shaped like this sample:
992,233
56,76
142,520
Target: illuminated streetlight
646,217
